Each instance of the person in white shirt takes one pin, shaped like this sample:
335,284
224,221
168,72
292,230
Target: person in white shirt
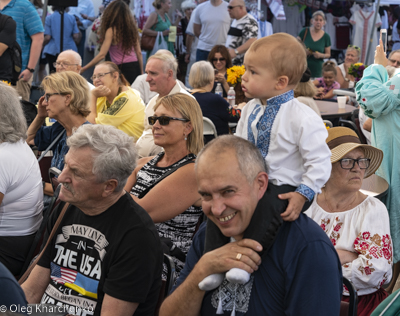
161,71
289,134
21,189
357,224
243,31
211,25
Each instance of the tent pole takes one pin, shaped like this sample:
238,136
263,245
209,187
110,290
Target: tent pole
372,30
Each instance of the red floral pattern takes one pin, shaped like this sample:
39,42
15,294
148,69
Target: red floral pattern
335,233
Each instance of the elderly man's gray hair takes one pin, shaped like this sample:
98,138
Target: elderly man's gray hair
12,119
114,151
77,58
169,60
249,157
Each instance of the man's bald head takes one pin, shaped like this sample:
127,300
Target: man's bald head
237,9
69,60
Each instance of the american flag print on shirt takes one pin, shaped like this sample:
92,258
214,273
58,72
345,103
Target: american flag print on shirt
62,275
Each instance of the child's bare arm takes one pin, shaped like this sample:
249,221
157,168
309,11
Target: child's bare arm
296,203
329,94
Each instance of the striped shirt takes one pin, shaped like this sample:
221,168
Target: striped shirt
28,23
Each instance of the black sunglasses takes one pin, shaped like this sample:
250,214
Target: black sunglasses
230,7
48,95
164,120
218,59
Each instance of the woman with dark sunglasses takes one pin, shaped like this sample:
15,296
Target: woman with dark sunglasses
356,224
352,56
172,200
221,60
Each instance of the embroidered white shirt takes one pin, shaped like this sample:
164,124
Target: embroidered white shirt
364,230
297,152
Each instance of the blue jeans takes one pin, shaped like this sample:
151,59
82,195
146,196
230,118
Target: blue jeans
201,54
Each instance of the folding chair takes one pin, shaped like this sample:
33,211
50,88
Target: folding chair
349,308
167,284
209,127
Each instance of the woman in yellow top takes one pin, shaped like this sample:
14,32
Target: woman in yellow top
114,102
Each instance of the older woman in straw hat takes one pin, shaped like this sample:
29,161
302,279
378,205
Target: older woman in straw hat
357,225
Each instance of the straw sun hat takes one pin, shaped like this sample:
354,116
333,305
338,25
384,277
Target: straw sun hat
342,140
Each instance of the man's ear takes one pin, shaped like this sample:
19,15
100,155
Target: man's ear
109,187
170,74
262,183
283,82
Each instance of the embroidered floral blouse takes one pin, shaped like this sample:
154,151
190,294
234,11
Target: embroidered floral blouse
364,230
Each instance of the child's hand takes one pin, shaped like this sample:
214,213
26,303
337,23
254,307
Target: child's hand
296,203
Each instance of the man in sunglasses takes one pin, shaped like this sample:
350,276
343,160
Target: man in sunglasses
161,71
233,183
243,31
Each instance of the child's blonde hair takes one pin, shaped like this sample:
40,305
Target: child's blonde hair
283,54
305,87
329,66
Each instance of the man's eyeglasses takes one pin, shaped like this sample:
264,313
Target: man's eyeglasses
230,7
94,77
396,62
355,47
348,163
218,59
63,65
48,95
164,120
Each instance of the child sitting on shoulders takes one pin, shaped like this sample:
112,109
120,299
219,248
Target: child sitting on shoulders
327,83
290,136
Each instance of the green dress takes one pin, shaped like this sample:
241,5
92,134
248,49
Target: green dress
315,64
161,26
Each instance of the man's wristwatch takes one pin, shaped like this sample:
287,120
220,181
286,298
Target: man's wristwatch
236,52
346,79
31,69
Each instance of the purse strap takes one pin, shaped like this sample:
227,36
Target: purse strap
51,145
172,170
305,34
53,232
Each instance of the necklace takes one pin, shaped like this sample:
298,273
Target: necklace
344,209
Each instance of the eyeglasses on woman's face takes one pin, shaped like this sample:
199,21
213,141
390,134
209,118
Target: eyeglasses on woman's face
349,163
48,95
164,120
99,76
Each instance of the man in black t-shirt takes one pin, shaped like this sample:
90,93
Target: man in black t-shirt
105,257
8,36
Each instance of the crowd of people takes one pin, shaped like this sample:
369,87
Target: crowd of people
264,213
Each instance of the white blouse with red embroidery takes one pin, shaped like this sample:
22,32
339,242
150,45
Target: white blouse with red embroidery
364,230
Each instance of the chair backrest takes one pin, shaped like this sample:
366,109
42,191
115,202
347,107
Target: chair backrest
167,284
209,127
349,308
356,120
350,125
